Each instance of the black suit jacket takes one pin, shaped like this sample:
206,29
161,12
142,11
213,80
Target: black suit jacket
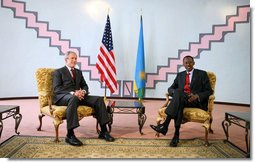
64,84
200,85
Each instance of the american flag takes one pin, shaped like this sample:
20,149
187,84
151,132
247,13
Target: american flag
105,59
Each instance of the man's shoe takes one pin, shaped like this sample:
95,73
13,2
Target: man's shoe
72,140
106,136
174,141
159,128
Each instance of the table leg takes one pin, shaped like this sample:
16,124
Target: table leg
246,141
141,120
1,128
225,125
17,118
110,122
110,115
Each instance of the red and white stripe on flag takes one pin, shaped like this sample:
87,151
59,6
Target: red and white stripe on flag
105,59
106,66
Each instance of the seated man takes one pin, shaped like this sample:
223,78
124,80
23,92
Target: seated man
191,88
71,90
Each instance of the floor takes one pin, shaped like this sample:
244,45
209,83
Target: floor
124,125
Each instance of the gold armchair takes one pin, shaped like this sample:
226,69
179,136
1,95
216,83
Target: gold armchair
45,92
195,114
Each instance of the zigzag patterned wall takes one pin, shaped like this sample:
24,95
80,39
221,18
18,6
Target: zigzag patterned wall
195,48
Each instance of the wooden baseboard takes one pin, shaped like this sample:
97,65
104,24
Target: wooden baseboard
127,98
19,98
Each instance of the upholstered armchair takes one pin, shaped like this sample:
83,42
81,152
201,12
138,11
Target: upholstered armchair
44,78
195,114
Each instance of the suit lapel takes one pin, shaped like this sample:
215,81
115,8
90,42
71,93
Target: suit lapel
76,76
194,76
183,78
68,73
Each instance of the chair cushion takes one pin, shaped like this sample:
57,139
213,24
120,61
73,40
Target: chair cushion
60,111
195,115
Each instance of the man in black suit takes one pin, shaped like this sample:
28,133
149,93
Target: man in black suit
191,88
71,90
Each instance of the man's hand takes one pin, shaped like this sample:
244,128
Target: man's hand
193,97
80,94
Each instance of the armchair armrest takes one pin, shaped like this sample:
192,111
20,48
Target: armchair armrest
167,100
48,95
211,98
210,103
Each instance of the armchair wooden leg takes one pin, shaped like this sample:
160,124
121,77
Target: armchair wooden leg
157,134
158,123
206,138
97,128
40,116
56,123
210,130
56,130
210,127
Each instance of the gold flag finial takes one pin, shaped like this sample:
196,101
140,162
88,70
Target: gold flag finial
108,11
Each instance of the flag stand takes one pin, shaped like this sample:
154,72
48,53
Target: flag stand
140,101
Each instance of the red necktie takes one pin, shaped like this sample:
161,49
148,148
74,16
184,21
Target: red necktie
186,87
73,73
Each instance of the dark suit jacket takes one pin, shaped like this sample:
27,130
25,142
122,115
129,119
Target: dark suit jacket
63,83
200,85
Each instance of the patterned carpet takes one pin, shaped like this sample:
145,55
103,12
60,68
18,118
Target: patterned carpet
43,147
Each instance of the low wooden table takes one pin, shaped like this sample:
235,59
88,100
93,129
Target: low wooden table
241,119
128,107
7,111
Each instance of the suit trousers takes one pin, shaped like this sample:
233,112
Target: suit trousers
178,103
72,103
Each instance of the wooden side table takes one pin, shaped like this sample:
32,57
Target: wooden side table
241,119
7,111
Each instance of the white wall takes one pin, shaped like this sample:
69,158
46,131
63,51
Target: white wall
169,26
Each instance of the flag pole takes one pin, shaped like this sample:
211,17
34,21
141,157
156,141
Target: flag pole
105,92
108,11
139,99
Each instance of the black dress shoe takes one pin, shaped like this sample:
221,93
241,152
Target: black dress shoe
106,136
174,141
72,140
159,128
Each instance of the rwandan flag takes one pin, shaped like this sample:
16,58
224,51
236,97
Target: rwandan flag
139,84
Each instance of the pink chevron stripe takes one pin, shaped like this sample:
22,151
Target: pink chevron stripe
194,48
85,66
42,27
52,35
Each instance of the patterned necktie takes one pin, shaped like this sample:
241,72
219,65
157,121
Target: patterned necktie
73,73
186,86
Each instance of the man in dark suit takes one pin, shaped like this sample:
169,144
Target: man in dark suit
191,88
71,90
